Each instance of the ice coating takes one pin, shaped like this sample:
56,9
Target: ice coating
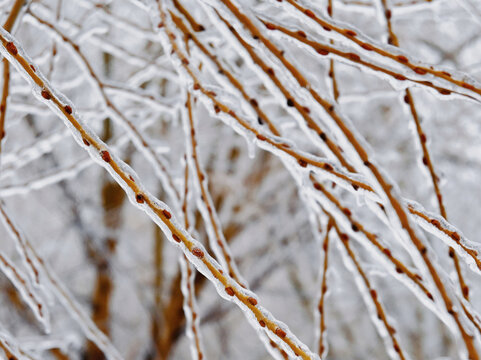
11,348
341,33
27,292
370,297
450,235
21,245
205,203
125,176
358,150
60,174
320,313
379,174
270,143
189,307
260,91
48,282
376,247
132,131
396,76
278,333
74,309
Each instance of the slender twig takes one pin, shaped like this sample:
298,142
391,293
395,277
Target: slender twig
187,283
323,289
264,139
426,158
324,50
332,75
157,210
137,137
224,71
370,295
345,215
397,212
8,26
88,326
216,236
354,37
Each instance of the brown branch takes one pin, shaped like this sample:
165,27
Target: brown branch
113,199
381,314
195,25
426,159
3,102
302,160
400,59
133,132
14,13
399,267
399,213
6,350
291,101
272,144
157,210
453,235
217,241
8,26
332,75
188,272
350,57
262,117
320,306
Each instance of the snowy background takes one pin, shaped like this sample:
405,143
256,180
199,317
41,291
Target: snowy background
74,244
